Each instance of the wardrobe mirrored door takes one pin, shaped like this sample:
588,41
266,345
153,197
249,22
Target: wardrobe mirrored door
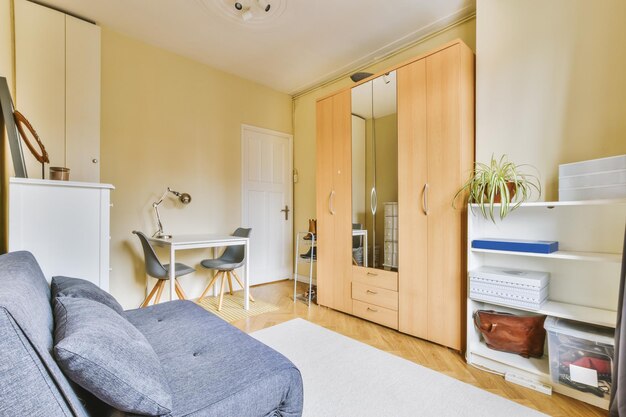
375,174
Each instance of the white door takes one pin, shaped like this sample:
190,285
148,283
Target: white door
267,202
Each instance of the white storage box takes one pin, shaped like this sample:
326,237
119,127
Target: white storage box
391,209
603,178
513,287
581,358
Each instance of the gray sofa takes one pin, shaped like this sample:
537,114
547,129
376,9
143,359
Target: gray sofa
212,368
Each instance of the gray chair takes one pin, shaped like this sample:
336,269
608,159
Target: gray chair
157,270
232,258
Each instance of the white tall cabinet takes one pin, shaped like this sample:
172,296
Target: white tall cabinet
64,224
57,62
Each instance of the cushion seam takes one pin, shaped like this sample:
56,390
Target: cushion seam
115,377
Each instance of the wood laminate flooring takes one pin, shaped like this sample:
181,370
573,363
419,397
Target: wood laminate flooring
427,354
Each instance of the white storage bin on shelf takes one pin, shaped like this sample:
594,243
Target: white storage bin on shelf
584,275
593,179
513,287
581,358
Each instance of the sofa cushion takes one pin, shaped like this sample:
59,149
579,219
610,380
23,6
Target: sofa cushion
214,369
31,382
80,288
105,354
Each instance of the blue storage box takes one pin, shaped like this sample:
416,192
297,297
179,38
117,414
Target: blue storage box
514,245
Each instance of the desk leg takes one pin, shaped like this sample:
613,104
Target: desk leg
172,271
246,277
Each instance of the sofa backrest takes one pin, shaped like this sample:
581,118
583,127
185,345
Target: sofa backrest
31,383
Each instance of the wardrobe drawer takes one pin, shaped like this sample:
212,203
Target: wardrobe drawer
376,277
374,313
374,295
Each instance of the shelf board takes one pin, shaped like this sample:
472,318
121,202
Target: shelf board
561,254
537,366
600,317
548,204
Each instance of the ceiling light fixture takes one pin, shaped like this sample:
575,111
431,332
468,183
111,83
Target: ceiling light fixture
264,5
247,15
249,9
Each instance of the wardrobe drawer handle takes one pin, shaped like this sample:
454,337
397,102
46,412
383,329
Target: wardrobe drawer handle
372,274
373,310
371,292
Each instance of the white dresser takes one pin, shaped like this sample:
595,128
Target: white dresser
64,224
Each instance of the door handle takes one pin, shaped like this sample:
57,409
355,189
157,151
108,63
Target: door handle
425,199
373,200
331,201
286,210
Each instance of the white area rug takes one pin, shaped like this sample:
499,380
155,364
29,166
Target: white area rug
346,378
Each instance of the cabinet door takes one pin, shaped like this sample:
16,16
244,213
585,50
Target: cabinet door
342,202
445,176
334,190
40,78
324,195
82,134
412,178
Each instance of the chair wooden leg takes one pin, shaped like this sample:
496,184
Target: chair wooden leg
149,297
230,282
219,306
208,287
161,285
241,283
179,290
178,293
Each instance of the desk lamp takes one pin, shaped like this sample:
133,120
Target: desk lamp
183,197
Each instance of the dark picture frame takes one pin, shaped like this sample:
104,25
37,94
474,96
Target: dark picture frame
8,121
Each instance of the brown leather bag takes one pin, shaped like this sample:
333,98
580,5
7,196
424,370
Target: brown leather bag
523,335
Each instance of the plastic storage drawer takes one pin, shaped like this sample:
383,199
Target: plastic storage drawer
581,358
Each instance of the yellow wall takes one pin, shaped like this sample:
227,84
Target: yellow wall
551,87
169,121
7,69
304,119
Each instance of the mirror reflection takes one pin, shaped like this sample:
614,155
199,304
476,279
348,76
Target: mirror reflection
375,173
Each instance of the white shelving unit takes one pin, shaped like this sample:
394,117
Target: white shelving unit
584,273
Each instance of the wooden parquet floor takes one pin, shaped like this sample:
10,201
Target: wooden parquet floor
427,354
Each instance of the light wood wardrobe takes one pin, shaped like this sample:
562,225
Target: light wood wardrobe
424,296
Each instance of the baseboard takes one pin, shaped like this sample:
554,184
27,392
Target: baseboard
305,279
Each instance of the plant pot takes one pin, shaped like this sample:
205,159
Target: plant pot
497,199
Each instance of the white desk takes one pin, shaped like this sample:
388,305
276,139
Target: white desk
183,242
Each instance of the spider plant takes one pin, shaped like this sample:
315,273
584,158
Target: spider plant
499,182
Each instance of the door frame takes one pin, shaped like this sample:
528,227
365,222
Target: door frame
244,199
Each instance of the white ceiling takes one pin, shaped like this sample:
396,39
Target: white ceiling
301,44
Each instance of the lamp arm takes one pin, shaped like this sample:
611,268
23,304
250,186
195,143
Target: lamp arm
159,232
155,206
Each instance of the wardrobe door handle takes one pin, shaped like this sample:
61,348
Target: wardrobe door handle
373,200
425,199
331,201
